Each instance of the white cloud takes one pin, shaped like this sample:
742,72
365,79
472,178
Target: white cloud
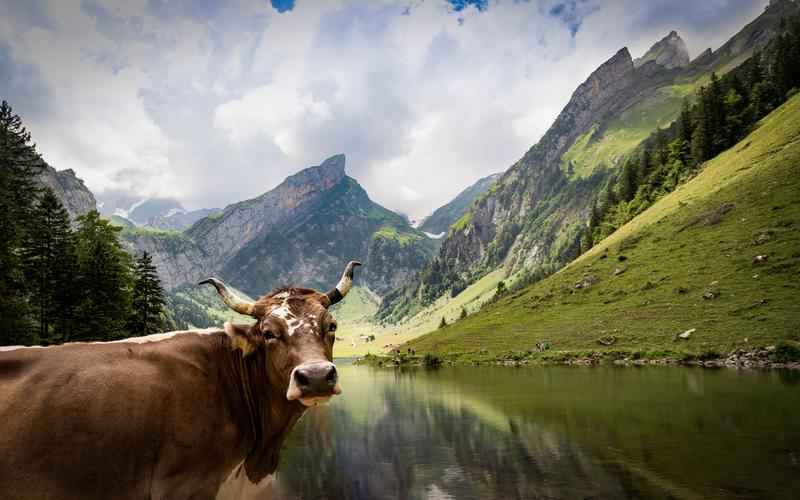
171,102
273,110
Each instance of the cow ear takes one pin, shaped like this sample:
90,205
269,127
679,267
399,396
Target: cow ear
243,338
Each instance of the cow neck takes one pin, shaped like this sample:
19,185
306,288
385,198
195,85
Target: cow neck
260,409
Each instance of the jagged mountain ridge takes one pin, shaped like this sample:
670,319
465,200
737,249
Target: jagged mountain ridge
536,214
669,52
300,232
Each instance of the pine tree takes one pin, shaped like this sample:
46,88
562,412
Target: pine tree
19,163
628,181
714,108
105,280
685,126
443,323
701,139
463,313
148,298
49,263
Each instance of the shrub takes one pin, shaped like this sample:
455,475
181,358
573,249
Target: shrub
785,352
431,361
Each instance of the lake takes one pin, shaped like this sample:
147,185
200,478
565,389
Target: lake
550,433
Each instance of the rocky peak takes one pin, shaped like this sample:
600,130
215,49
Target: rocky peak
604,81
323,176
669,52
69,189
590,101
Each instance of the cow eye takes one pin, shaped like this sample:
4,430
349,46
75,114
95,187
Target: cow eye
332,327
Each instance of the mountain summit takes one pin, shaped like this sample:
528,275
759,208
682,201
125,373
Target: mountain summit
299,232
669,52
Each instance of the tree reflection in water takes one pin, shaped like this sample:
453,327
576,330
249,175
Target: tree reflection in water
549,433
409,445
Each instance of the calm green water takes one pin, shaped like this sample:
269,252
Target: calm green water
571,433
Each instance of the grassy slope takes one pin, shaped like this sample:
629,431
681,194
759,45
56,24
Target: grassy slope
643,307
623,134
354,318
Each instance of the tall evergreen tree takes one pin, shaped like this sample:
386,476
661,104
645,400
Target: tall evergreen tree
628,181
19,163
105,280
148,298
685,126
49,262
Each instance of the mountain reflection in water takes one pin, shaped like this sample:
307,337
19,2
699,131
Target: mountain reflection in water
549,433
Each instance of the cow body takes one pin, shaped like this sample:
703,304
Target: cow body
167,419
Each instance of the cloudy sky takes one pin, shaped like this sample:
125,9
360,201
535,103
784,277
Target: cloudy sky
213,101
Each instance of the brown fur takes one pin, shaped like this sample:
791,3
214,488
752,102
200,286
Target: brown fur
159,420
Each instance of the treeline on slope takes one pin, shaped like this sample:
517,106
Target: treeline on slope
61,282
723,113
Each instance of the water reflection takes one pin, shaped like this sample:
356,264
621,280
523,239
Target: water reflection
548,433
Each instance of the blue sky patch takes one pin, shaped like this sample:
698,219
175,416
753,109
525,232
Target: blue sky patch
569,13
282,5
459,5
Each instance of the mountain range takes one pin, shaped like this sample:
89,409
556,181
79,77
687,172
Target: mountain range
529,219
534,217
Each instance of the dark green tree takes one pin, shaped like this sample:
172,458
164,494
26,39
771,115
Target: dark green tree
105,280
50,264
628,181
19,164
148,298
685,125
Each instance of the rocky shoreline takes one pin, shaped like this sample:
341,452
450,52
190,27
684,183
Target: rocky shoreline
768,358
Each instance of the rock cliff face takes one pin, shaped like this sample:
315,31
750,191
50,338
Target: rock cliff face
669,52
444,216
301,232
72,192
239,224
534,216
180,221
179,260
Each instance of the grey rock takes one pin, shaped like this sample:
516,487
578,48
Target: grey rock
69,189
669,52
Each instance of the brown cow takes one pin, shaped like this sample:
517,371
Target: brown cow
180,415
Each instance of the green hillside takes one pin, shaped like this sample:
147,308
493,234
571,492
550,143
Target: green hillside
688,263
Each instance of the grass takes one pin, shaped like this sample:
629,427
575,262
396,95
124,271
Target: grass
462,222
354,319
151,231
594,150
669,271
391,233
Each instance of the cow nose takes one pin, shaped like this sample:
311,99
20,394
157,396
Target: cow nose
316,379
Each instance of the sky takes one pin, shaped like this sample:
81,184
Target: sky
212,102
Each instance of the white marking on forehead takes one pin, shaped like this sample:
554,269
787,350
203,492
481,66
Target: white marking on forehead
282,295
285,313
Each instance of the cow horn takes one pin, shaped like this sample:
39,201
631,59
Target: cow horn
345,283
233,301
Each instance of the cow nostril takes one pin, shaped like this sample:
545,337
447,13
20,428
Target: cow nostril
301,378
332,375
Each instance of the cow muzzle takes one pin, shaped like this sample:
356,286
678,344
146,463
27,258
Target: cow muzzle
313,383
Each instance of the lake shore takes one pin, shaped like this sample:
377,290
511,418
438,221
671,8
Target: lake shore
781,356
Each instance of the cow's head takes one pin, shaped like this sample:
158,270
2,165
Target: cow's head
296,332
